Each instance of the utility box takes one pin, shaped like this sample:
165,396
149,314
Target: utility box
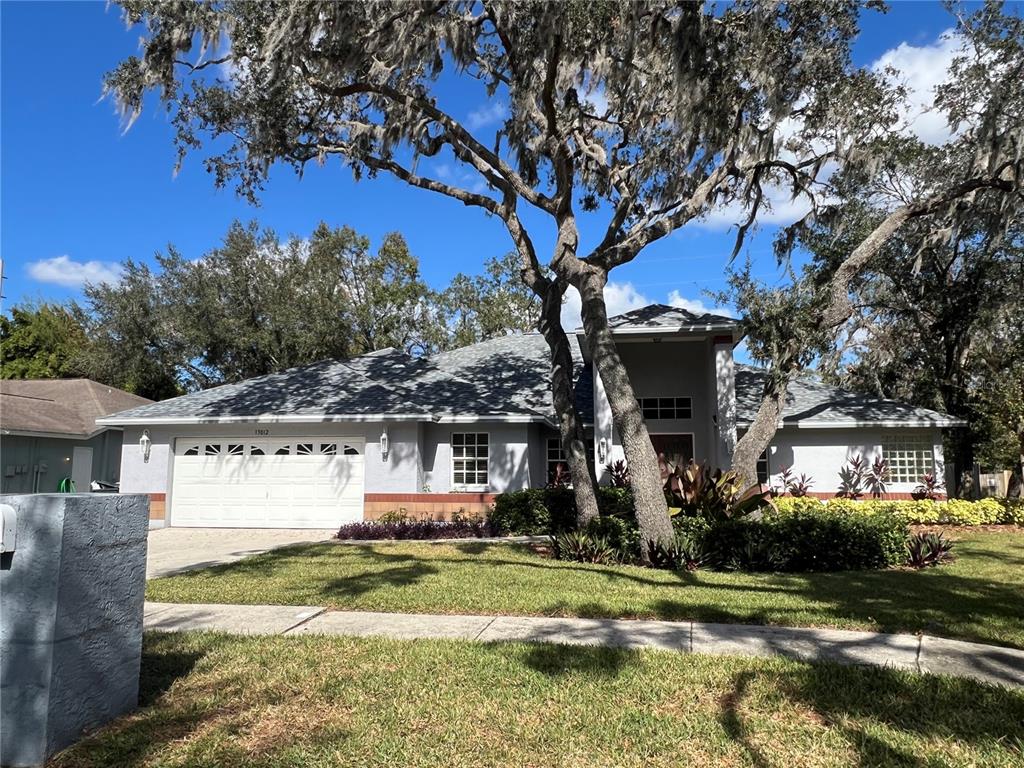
72,593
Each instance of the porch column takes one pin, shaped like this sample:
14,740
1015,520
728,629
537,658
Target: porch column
725,386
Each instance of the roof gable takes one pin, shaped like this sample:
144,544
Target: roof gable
67,407
663,316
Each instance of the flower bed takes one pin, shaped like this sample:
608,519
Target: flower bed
415,530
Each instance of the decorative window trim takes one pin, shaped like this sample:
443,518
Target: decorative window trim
909,457
211,449
464,448
192,450
666,407
256,450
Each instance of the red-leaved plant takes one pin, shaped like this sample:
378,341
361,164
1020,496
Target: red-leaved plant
930,488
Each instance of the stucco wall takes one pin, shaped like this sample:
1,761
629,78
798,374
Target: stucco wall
71,626
19,452
820,453
509,464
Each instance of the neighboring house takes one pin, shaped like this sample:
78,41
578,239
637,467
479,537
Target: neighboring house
348,440
48,434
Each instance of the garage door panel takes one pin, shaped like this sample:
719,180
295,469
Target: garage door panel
292,482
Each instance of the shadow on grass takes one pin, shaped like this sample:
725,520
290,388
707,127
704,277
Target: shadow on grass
576,660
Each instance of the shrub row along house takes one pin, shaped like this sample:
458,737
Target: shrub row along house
339,441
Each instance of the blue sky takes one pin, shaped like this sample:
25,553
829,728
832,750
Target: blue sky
78,196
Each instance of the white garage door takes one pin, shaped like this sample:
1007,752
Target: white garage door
302,482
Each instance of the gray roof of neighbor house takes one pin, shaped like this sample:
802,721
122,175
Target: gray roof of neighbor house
505,378
63,407
809,402
665,317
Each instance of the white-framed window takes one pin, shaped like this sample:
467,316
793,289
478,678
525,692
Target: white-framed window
666,407
555,455
763,468
910,457
470,451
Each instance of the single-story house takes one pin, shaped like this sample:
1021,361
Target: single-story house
344,440
49,438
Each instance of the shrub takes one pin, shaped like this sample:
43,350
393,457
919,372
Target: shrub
414,529
621,534
547,511
581,547
818,540
925,549
618,473
852,478
695,490
922,512
1013,511
683,553
929,489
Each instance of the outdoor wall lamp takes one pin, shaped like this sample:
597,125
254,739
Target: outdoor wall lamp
145,444
384,446
602,450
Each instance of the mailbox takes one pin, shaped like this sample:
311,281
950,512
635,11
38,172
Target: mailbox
8,527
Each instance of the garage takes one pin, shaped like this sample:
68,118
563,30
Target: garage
299,482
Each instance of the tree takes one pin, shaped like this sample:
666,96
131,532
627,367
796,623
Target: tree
481,307
965,196
40,342
647,113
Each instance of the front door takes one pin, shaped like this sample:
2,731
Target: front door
673,449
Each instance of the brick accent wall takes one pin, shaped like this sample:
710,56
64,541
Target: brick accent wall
157,506
432,506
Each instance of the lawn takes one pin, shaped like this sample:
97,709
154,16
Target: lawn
232,701
978,597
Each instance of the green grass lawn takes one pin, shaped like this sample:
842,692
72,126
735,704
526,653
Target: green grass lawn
979,597
272,701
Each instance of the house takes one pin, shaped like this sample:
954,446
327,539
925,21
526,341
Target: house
49,434
347,440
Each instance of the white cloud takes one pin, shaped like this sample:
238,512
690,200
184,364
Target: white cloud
62,270
696,306
624,297
489,113
921,69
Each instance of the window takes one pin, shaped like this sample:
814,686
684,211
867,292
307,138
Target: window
909,458
556,456
255,450
666,407
193,451
469,458
235,449
284,450
304,449
763,472
350,451
212,449
329,449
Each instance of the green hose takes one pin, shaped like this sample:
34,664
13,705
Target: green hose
67,485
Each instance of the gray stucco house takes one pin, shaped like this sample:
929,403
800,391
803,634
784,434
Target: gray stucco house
348,440
48,433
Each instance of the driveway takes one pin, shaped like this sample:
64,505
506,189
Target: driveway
173,550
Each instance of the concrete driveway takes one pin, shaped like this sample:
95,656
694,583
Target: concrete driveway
173,550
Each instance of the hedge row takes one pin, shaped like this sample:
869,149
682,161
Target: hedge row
541,511
948,512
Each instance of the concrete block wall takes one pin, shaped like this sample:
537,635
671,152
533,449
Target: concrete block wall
71,626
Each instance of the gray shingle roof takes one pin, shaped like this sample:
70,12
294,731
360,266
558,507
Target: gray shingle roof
502,377
664,316
506,376
809,400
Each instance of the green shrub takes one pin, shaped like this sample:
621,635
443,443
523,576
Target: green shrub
809,540
1013,511
683,553
548,511
621,534
922,511
583,548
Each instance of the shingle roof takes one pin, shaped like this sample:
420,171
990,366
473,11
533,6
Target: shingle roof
59,406
808,400
502,377
664,316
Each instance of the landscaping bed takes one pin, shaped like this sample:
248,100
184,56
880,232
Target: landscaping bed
979,596
217,700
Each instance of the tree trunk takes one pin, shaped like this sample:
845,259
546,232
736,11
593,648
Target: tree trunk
563,395
648,494
758,436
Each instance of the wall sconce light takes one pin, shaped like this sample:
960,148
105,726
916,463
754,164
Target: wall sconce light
384,444
602,450
145,445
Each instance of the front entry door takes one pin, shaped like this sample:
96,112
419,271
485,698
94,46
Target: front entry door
676,450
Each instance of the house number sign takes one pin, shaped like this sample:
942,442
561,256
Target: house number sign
261,432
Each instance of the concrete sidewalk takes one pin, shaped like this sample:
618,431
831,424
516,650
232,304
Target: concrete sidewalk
987,663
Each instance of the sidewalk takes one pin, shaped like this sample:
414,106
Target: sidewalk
923,653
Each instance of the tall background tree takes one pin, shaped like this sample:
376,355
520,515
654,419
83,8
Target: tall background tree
40,341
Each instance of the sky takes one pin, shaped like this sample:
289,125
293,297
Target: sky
79,195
